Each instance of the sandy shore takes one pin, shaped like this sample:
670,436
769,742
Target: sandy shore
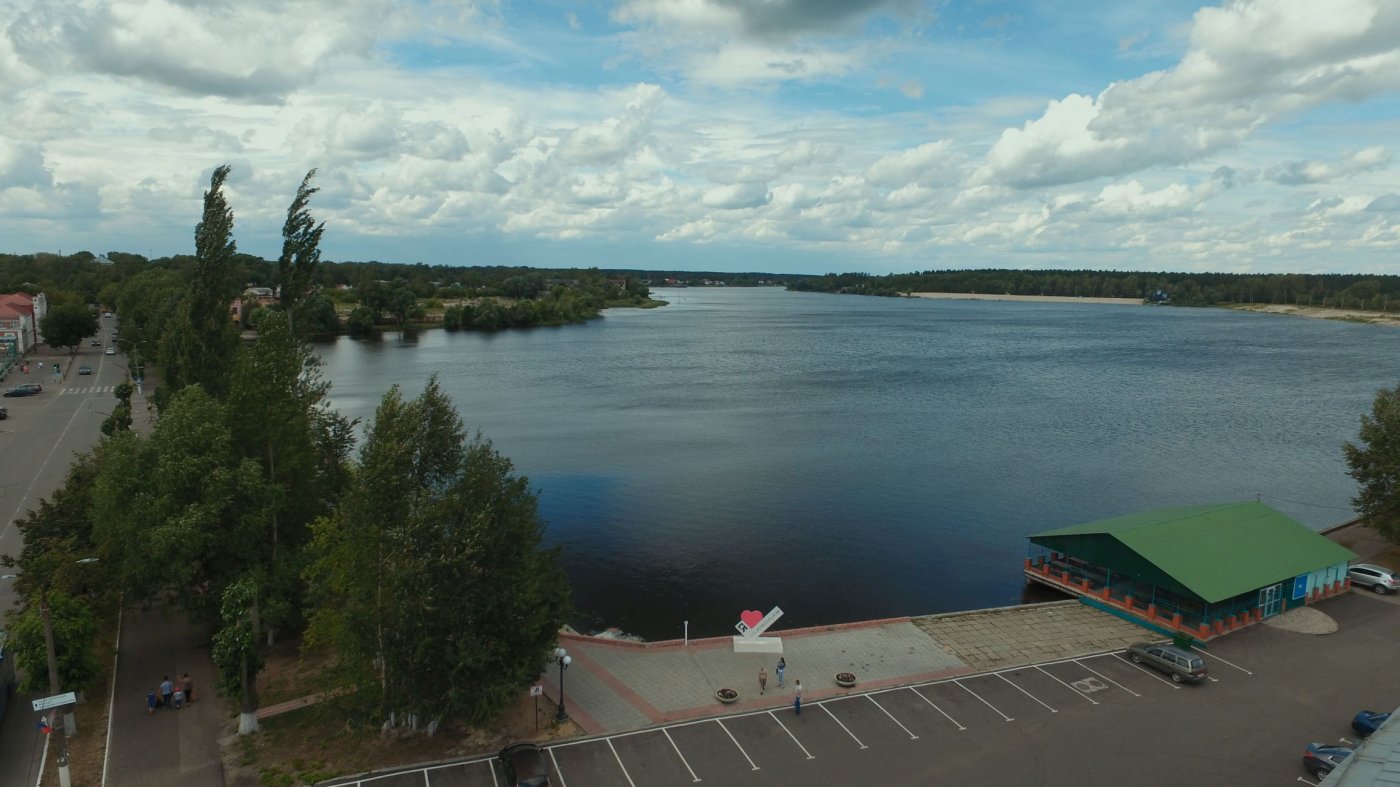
975,296
1319,313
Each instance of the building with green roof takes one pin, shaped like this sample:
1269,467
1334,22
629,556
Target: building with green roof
1200,569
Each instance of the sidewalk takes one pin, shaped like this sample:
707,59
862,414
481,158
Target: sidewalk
614,686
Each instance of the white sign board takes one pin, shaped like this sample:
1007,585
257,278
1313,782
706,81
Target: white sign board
536,690
56,700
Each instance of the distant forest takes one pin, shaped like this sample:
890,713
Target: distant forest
1336,290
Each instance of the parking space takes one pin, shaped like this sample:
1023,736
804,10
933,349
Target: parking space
1070,721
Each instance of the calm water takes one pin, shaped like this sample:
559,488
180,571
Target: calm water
850,458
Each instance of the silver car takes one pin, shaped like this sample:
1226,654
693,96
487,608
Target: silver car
1378,578
1182,665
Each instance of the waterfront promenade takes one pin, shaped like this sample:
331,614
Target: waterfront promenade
615,685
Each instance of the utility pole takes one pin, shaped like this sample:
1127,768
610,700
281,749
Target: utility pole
60,714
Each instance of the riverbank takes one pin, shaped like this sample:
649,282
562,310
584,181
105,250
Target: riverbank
1319,313
977,296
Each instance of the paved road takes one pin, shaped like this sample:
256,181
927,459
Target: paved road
1092,720
37,444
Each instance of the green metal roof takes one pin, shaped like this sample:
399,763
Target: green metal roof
1214,551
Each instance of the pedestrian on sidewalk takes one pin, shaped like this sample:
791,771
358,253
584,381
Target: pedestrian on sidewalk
797,696
782,665
151,702
167,691
187,683
762,679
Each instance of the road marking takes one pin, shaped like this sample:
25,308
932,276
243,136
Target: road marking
678,754
1149,672
940,710
112,698
557,771
492,768
844,727
984,702
1217,658
427,783
1027,693
615,757
5,531
790,735
912,736
1083,693
1105,677
736,743
1305,781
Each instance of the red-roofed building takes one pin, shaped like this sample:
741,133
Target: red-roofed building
20,314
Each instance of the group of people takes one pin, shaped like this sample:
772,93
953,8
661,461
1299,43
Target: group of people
796,685
171,695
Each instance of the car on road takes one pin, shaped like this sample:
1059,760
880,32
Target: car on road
524,765
1368,721
1378,578
106,314
1320,758
95,343
27,389
111,351
84,370
1182,665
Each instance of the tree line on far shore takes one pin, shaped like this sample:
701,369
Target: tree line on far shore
1337,290
416,572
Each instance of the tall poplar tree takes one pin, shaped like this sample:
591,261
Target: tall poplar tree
301,253
429,580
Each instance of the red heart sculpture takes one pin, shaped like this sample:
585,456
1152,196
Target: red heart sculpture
751,617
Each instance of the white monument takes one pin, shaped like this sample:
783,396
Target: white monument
751,626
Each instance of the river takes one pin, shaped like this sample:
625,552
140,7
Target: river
849,458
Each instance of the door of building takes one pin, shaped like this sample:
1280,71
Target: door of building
1271,600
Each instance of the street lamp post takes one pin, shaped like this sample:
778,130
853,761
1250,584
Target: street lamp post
562,656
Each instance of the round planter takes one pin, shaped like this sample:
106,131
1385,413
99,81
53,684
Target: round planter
845,680
726,695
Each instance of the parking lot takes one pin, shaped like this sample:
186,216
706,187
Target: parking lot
1097,719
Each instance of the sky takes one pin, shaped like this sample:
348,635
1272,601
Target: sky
784,136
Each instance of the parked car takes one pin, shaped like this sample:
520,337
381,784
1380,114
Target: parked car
1320,758
95,343
111,351
106,314
1368,721
84,370
1182,665
524,765
27,389
1378,578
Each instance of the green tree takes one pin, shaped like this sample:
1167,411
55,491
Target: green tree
74,629
402,301
67,325
301,253
318,316
361,322
235,650
1375,464
429,580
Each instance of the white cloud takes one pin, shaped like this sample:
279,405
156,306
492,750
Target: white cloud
928,163
22,165
1303,172
736,196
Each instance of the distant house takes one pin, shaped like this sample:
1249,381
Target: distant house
20,314
252,297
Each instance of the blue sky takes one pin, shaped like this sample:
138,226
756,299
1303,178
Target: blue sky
731,135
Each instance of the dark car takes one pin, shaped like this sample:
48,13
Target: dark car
1378,578
27,389
1368,721
1182,665
84,370
95,343
524,765
1320,758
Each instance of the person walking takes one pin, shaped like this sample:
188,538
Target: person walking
151,702
762,679
167,691
797,696
187,683
782,665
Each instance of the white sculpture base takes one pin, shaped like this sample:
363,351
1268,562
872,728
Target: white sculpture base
758,645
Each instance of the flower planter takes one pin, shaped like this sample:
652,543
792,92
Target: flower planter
726,695
845,680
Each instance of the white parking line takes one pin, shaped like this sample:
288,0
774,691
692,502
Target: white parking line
615,757
790,735
557,771
912,736
1027,693
1071,688
736,743
1217,658
1105,677
1149,672
490,767
678,754
940,710
984,702
1305,781
844,727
